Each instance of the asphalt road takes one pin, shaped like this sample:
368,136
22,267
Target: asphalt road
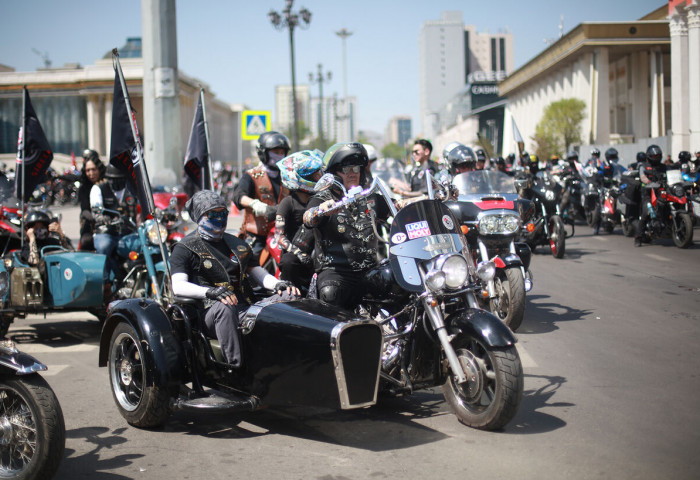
609,346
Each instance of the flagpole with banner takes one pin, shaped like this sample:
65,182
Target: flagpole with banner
129,159
20,152
206,136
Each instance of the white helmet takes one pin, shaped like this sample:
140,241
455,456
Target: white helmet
371,152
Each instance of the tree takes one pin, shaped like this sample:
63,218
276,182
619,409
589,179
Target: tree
393,150
560,126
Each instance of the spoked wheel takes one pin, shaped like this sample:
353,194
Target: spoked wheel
141,403
509,304
490,397
557,236
32,430
682,231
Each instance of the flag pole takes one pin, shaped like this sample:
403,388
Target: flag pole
206,136
146,181
24,134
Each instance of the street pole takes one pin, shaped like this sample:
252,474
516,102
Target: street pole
320,80
291,20
344,34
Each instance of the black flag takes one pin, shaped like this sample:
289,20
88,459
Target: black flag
124,148
37,152
197,157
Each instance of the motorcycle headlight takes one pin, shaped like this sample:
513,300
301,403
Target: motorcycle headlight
152,233
486,271
549,195
499,224
456,271
4,284
435,280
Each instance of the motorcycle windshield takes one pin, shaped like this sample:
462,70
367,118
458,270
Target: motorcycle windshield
421,231
390,170
484,182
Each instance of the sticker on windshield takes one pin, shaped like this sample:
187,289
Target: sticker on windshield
418,229
447,222
398,237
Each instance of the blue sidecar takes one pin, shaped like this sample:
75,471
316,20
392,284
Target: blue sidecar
63,281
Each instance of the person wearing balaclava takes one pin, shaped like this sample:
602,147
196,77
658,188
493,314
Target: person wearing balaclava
260,190
213,266
42,231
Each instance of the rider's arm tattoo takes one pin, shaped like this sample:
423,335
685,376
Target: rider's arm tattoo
280,237
312,217
33,253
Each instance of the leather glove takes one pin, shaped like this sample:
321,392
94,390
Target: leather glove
259,208
218,293
283,285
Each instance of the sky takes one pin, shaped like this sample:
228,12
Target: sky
232,46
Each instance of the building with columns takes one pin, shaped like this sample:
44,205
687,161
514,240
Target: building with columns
621,70
684,26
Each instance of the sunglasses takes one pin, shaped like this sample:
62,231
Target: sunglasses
415,152
214,215
352,168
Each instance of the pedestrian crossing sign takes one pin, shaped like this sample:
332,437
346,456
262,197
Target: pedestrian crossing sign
254,124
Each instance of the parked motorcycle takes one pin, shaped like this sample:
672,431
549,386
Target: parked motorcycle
669,214
546,226
418,327
573,199
32,430
491,213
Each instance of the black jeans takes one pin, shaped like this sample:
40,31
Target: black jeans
343,289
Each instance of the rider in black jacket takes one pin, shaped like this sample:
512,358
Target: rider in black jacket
651,173
346,244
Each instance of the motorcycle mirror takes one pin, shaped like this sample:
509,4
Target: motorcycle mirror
326,181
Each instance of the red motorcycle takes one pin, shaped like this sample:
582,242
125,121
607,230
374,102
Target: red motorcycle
669,215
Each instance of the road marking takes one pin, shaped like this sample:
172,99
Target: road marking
656,257
525,359
42,348
602,239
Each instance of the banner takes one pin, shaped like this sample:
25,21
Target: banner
197,162
34,154
125,149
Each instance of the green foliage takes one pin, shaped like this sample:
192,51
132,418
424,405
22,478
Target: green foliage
393,150
560,127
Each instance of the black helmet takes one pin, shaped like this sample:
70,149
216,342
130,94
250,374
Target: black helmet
595,153
89,154
572,156
460,156
501,161
654,154
641,157
35,216
344,155
269,141
113,172
611,154
480,155
684,156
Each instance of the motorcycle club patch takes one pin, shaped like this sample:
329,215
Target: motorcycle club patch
417,229
207,264
398,237
341,228
447,222
341,219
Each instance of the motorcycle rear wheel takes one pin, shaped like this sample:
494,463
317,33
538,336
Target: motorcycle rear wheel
142,404
509,306
490,398
557,236
627,228
32,429
682,231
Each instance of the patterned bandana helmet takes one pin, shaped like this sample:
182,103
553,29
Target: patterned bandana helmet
298,168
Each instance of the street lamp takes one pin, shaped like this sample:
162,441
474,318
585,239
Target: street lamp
320,79
344,34
290,20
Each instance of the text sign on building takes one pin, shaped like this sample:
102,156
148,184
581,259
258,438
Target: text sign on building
254,124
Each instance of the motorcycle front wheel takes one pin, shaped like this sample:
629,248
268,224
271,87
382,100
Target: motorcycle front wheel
32,430
142,404
557,236
509,304
682,231
491,396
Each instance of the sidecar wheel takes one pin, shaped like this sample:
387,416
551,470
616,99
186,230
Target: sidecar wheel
32,429
141,404
509,306
490,398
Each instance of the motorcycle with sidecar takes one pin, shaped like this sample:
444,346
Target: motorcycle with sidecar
419,326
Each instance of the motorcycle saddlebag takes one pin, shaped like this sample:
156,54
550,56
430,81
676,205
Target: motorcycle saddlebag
75,279
27,288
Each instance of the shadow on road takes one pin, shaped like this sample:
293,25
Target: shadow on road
543,316
94,464
62,333
389,425
531,421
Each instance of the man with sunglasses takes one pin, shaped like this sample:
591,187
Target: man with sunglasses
214,267
420,153
346,245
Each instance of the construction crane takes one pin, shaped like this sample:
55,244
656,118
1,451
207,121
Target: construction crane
44,56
